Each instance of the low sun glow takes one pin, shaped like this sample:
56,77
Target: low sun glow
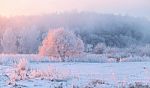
34,7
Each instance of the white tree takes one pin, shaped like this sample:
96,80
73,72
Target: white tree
28,40
89,48
99,48
144,50
61,43
8,41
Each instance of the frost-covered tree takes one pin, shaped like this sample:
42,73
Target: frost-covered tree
28,40
23,41
143,50
8,41
99,48
61,43
88,48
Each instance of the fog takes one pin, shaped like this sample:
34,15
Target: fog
24,34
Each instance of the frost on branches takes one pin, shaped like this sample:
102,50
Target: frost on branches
99,48
61,43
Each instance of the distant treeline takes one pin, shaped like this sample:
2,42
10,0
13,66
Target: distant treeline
24,34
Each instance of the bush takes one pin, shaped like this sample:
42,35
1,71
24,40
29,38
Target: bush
21,71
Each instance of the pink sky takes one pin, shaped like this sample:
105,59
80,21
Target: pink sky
34,7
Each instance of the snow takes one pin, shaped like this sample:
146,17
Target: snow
122,71
81,74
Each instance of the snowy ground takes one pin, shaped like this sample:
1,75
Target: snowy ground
83,75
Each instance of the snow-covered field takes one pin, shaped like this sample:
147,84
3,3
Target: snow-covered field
75,75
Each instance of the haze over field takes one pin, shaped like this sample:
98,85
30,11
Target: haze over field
116,23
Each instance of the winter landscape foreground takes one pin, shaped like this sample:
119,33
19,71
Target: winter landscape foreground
115,54
30,71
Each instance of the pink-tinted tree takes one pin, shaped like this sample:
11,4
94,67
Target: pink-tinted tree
61,43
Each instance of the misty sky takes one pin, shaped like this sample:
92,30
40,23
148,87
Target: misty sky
36,7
